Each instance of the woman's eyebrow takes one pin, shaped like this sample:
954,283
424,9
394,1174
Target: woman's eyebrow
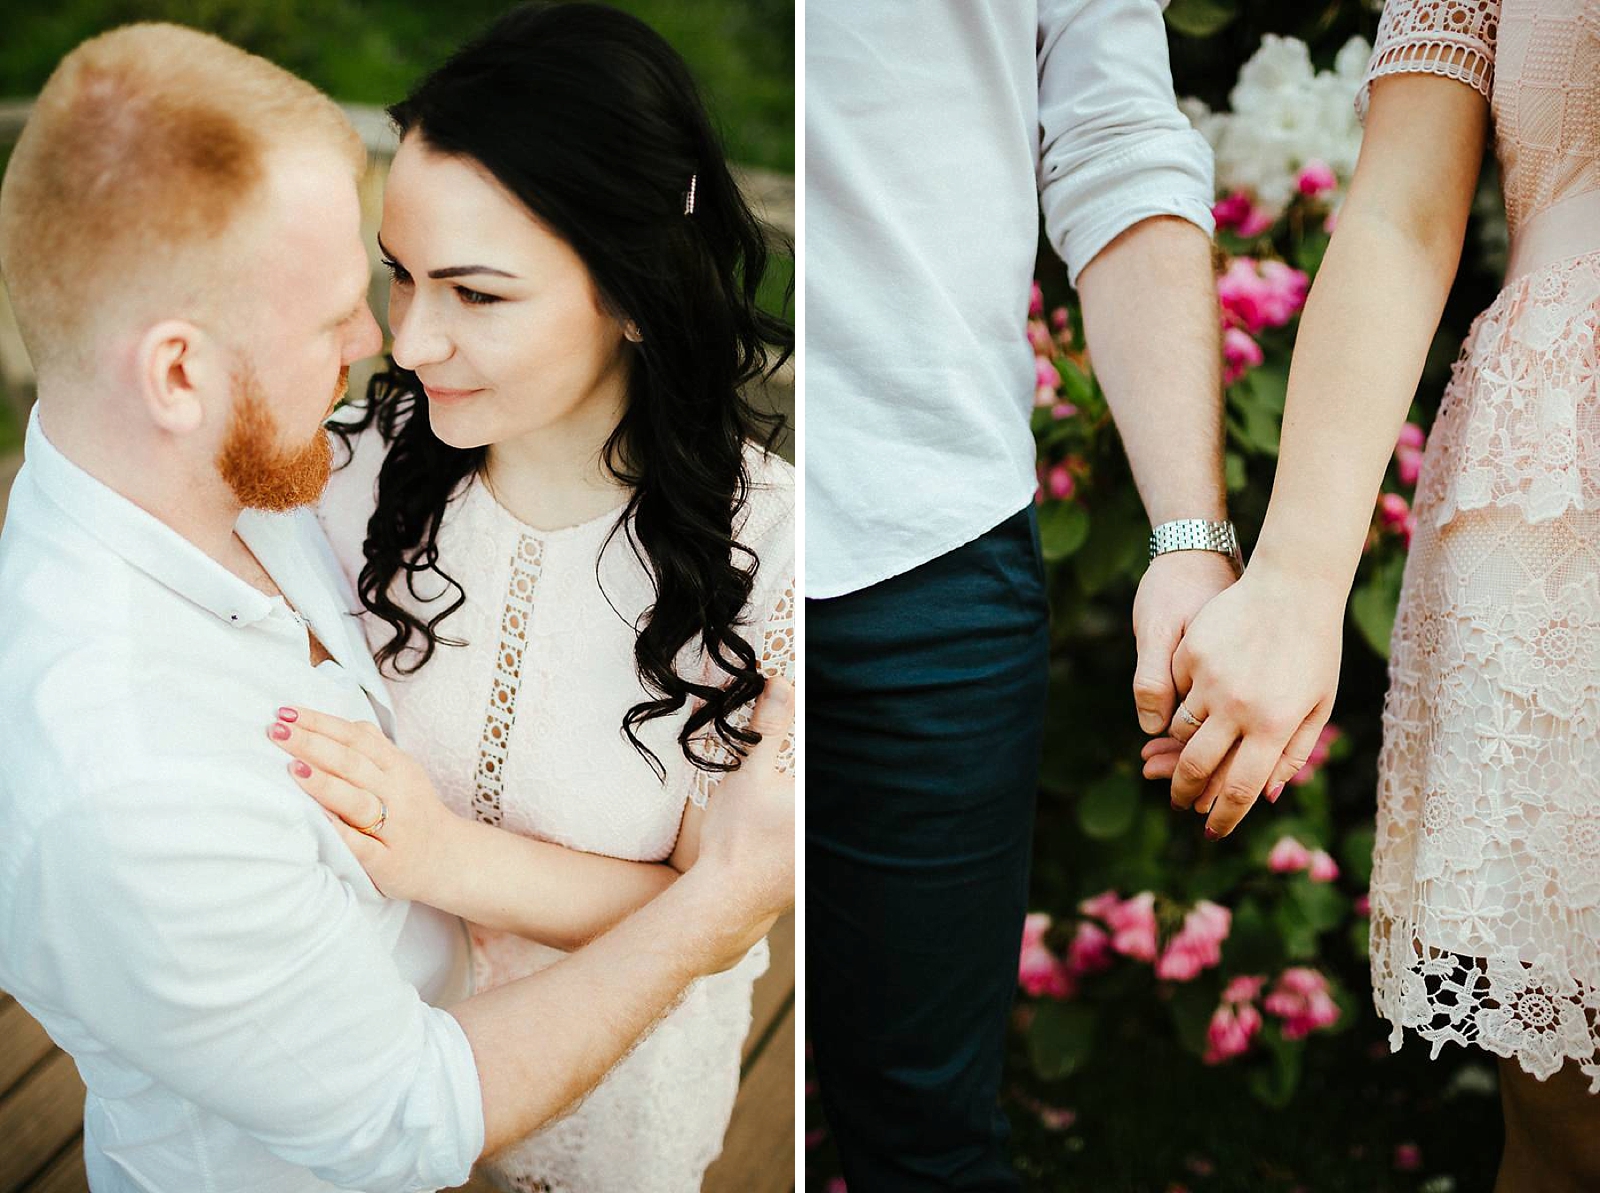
453,271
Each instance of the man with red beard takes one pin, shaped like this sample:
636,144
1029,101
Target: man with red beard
179,233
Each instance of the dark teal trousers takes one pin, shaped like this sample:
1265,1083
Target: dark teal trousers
924,711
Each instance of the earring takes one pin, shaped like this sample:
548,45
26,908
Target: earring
631,332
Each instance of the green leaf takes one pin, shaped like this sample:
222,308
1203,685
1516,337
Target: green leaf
1355,854
1298,934
1109,807
1192,1005
1321,904
1201,18
1372,605
1255,410
1075,384
1253,944
1118,543
1360,938
1061,1038
1275,1084
1234,473
1063,525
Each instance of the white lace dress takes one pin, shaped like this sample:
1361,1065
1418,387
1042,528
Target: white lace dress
522,728
1486,877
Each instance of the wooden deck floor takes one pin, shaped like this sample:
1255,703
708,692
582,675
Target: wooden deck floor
41,1100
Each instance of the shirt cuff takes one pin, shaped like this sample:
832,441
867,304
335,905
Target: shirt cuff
1168,174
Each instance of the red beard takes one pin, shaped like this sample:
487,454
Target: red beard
262,475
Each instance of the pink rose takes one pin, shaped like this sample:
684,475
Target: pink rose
814,1138
1332,222
1392,510
1323,868
1303,1001
1232,211
1242,295
1407,1157
1062,410
1257,223
1363,905
1412,436
1039,339
1239,354
1046,382
1407,465
836,1185
1060,320
1288,856
1316,178
1244,988
1230,1031
1319,754
1059,482
1090,949
1286,288
1198,944
1039,971
1133,927
1035,300
1056,1118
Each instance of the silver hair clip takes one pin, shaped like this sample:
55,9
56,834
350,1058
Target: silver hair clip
688,199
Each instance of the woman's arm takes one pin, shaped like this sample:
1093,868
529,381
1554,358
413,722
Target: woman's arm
1261,661
557,896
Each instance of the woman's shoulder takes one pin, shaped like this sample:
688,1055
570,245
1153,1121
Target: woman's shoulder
768,512
347,503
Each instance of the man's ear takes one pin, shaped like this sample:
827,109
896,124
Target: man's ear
180,370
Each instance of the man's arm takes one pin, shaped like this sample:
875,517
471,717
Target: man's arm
1126,188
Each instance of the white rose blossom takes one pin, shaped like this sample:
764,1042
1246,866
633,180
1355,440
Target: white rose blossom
1284,114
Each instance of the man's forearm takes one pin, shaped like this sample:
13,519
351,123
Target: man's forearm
1151,320
544,1041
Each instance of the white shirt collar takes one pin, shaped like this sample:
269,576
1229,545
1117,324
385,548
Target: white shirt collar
139,537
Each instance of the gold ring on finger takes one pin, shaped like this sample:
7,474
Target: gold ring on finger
372,829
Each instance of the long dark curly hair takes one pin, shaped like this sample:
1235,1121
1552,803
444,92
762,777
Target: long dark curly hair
594,122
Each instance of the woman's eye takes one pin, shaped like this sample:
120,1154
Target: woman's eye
475,298
397,271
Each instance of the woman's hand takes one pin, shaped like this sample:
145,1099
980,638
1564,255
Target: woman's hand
1259,667
379,799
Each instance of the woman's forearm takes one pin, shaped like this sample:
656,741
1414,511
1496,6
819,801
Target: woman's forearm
1369,319
1363,339
557,896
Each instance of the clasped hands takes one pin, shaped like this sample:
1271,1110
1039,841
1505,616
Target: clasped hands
1255,663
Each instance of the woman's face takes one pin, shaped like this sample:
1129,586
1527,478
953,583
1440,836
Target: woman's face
495,314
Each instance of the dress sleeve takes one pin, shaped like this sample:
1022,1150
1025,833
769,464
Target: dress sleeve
1452,38
1114,147
769,530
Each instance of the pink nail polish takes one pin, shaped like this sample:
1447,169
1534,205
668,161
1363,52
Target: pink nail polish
1274,792
288,714
302,770
1212,834
279,733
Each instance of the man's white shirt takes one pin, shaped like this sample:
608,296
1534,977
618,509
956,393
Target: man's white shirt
935,131
246,1010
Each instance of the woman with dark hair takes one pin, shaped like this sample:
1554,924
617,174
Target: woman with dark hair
573,546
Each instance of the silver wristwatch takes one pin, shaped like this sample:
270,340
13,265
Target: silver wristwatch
1197,534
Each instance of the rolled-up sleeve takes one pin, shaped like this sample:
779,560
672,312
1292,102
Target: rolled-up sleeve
201,939
1114,147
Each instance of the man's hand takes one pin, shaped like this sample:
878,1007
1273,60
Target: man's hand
748,832
1258,668
1173,590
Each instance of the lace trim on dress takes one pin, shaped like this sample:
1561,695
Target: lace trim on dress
1451,38
777,658
526,561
